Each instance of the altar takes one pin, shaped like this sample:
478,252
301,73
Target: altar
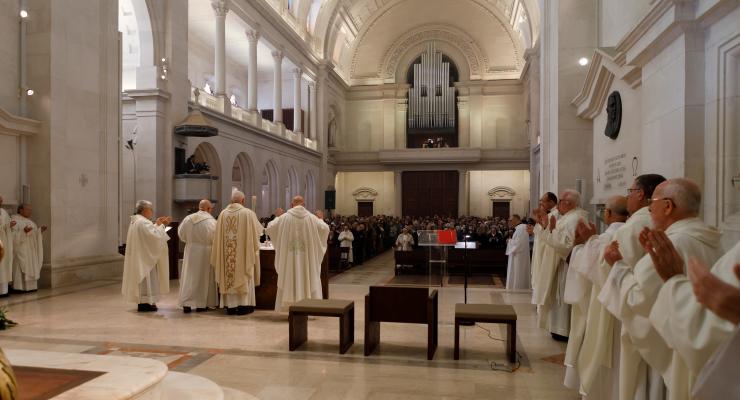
266,292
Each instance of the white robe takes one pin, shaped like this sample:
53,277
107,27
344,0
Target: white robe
198,280
6,264
146,273
28,254
517,272
405,242
718,379
538,247
554,312
299,238
689,328
632,371
585,260
633,293
235,255
345,240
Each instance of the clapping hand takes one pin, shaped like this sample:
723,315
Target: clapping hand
164,221
553,223
584,232
319,214
13,223
279,211
720,297
665,257
27,229
43,228
612,254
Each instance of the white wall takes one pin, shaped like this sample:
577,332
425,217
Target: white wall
382,182
483,181
617,17
503,122
9,32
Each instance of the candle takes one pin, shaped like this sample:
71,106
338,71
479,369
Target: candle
254,203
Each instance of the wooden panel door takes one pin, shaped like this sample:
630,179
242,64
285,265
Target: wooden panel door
501,209
426,193
365,208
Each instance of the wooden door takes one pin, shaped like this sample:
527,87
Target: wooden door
426,193
365,208
501,209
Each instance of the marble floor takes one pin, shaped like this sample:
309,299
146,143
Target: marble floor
250,353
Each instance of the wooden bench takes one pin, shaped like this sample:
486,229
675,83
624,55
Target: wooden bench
413,305
298,320
490,313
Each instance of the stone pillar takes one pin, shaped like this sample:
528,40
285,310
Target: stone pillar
402,108
220,8
253,38
311,134
463,189
398,194
322,79
463,113
277,90
297,120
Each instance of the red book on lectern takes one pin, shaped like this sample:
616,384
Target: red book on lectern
446,237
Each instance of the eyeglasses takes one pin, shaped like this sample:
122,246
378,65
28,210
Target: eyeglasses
629,191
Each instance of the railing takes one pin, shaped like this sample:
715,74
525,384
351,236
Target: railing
253,119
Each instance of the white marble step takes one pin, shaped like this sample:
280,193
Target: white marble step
181,386
233,394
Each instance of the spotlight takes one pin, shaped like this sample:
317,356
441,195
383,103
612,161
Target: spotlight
24,14
583,61
29,92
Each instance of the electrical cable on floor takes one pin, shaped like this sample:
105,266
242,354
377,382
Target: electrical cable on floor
502,366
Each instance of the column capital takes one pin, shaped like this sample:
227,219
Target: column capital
277,55
253,35
298,72
220,7
311,84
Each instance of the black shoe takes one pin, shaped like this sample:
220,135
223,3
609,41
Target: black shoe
153,307
144,307
231,310
242,310
204,309
559,338
187,310
5,295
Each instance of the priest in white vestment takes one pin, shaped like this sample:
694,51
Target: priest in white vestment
517,248
583,284
606,339
198,281
28,250
6,237
405,241
299,238
691,329
559,236
235,256
632,292
546,210
345,241
146,269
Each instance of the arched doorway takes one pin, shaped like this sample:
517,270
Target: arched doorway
268,189
309,191
206,153
291,187
241,176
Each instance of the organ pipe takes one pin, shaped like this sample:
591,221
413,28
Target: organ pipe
431,98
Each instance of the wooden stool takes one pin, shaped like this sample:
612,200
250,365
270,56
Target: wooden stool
490,313
298,320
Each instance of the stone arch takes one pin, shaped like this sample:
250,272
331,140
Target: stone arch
292,185
309,190
206,152
138,45
242,175
268,189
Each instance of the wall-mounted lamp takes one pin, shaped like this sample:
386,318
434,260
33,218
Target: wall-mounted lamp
24,14
583,61
165,69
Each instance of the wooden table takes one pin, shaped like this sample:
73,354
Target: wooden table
266,292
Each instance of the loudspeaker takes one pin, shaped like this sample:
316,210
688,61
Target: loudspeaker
330,199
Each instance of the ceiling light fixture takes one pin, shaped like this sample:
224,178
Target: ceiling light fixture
583,61
24,14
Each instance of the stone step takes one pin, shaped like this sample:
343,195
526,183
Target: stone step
182,386
233,394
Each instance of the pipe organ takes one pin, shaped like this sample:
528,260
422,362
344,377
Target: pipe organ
431,98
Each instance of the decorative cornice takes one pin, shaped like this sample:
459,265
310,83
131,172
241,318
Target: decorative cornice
365,194
501,192
17,126
592,96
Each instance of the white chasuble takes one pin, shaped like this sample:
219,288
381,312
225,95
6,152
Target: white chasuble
146,261
235,255
718,379
585,262
198,282
538,247
345,241
554,313
689,328
517,272
6,237
299,238
638,290
28,253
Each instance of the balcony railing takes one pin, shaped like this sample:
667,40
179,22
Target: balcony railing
252,119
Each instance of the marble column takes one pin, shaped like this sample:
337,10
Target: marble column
220,8
297,121
277,90
312,111
253,38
